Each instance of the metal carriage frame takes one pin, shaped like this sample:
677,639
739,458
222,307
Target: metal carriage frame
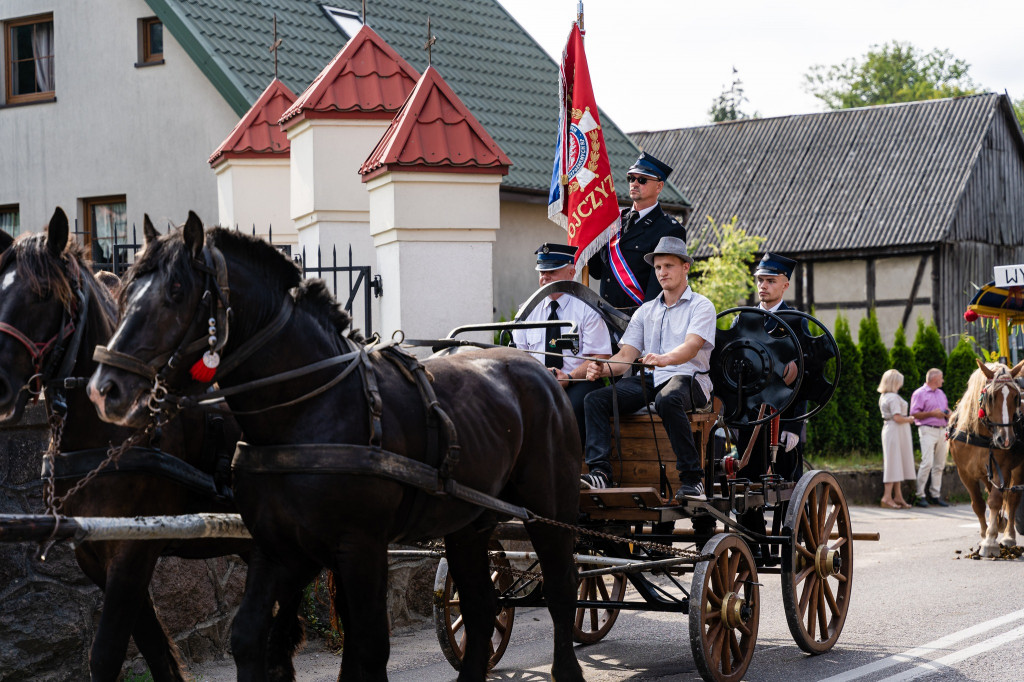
622,534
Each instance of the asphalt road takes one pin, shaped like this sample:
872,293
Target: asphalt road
919,610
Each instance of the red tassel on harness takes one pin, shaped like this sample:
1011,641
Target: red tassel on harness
205,367
981,413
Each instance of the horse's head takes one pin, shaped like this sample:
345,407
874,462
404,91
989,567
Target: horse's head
999,402
164,325
43,280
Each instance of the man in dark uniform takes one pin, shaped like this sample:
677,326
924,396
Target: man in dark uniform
626,279
772,278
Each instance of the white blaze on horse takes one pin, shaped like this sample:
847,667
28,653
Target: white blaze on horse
981,441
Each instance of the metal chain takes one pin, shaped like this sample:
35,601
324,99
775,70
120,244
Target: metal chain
654,546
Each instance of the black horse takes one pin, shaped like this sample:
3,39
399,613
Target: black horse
303,504
49,295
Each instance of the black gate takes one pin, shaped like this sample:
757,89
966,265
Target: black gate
357,278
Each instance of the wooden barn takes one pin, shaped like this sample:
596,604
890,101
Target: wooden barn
899,207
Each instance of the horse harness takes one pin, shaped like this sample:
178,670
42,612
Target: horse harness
54,362
992,469
435,476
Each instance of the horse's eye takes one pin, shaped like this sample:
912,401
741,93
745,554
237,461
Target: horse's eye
177,293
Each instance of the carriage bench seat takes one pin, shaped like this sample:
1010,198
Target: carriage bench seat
641,445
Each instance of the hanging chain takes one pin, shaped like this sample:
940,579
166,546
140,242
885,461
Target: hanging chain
651,546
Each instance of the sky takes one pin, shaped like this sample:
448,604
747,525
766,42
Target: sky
658,64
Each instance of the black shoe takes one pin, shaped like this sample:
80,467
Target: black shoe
938,502
921,503
690,491
595,480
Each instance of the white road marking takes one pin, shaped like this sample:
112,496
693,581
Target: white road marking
930,647
928,667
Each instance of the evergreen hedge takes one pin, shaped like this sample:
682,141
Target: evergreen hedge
902,358
928,350
959,366
874,362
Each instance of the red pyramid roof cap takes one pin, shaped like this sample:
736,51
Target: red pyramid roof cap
367,79
435,131
258,134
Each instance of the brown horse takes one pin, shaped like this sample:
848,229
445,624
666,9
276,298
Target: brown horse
982,445
49,296
310,505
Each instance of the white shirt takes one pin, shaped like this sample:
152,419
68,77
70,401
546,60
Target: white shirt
594,339
657,328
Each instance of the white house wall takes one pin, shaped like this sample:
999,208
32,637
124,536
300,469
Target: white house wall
114,129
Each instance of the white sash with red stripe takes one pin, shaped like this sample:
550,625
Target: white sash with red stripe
623,275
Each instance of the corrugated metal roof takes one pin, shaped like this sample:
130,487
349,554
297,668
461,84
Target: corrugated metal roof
366,77
501,74
434,130
856,179
257,133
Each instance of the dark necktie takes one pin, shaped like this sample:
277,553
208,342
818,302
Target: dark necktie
552,333
630,220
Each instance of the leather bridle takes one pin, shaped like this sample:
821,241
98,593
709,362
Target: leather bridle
53,360
994,384
214,304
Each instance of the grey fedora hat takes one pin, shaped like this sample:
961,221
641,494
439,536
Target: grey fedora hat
669,246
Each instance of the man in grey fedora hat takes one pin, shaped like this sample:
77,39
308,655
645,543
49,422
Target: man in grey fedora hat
674,334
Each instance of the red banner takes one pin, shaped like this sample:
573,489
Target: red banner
582,197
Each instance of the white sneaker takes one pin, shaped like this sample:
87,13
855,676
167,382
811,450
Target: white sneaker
593,481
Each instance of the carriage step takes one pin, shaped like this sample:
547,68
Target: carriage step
619,498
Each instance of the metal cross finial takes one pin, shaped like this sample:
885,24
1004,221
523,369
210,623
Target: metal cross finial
275,45
431,39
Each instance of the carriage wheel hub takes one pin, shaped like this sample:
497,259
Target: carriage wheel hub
735,610
827,562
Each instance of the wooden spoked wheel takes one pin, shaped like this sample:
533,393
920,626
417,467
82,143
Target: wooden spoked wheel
724,609
816,592
448,625
593,623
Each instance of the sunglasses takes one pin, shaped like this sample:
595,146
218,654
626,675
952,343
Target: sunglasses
638,179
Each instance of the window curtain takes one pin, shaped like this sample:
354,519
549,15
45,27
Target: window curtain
42,52
9,223
110,226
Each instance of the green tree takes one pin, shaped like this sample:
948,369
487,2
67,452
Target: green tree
874,362
727,106
850,394
725,276
927,347
902,359
959,366
889,73
1018,109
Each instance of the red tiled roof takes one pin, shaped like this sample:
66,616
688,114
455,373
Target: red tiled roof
435,131
258,134
367,79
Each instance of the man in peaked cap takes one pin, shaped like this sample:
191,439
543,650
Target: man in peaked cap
557,262
627,280
674,334
771,278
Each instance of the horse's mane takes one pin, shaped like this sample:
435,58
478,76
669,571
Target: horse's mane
47,275
272,267
965,416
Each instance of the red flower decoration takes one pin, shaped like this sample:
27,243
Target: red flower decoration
970,315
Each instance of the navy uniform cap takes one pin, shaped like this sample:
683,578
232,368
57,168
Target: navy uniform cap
555,256
646,164
774,264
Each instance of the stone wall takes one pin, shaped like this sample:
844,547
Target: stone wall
50,610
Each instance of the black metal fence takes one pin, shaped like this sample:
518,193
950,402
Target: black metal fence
349,281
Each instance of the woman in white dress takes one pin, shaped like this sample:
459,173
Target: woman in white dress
897,445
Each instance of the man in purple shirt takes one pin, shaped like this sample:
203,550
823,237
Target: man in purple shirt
929,408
